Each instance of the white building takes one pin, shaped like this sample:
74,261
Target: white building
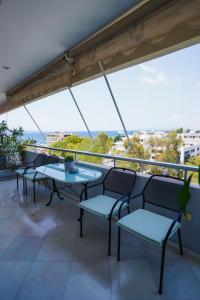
191,138
189,151
56,137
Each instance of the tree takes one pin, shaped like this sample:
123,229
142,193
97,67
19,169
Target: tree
156,145
179,130
170,153
194,161
117,138
136,150
11,145
101,144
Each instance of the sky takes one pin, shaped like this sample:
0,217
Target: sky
163,93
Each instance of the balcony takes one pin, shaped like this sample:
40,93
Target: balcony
42,256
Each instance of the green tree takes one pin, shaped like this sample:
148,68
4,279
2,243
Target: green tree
194,161
179,130
101,144
136,150
170,153
117,138
11,145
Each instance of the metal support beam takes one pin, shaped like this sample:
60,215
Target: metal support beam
114,101
42,134
83,119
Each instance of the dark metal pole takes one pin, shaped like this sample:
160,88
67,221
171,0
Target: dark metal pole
114,101
34,121
83,119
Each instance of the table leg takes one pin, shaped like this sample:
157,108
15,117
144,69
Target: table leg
55,190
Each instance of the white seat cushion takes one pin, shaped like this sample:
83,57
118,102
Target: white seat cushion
101,205
148,225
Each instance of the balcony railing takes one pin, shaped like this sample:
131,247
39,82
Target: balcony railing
116,158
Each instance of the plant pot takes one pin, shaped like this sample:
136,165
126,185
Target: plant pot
68,165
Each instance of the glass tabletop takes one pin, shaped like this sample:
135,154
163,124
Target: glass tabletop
57,172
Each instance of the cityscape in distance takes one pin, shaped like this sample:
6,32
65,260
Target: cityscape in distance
153,141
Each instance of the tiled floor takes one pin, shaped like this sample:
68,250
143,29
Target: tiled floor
43,258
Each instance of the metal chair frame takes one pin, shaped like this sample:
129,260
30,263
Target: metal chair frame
46,160
28,165
176,219
123,197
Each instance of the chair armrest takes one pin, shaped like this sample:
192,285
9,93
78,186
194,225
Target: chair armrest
127,200
35,175
117,201
27,168
177,219
88,187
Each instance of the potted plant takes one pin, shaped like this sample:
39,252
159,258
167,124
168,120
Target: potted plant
185,193
68,162
11,146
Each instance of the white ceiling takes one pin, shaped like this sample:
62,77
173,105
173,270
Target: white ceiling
35,32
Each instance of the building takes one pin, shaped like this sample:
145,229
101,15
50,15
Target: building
191,138
189,151
56,137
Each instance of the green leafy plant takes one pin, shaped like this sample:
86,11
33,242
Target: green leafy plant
199,176
185,193
69,158
11,146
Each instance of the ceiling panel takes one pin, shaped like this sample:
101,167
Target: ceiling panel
33,33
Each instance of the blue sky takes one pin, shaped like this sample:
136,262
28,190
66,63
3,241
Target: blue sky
162,93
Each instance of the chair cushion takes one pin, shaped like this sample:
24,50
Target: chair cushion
21,171
148,225
101,205
37,177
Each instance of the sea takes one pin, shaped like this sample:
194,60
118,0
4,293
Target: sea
41,140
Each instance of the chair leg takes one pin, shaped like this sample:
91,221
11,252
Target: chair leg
162,268
17,182
34,191
109,236
119,244
26,187
23,186
81,222
180,242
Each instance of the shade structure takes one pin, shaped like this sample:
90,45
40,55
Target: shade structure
144,30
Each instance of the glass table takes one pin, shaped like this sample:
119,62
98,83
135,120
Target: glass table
56,172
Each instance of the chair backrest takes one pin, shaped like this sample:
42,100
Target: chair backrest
163,191
119,180
40,160
52,159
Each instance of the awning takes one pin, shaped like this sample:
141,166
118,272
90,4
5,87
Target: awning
150,29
